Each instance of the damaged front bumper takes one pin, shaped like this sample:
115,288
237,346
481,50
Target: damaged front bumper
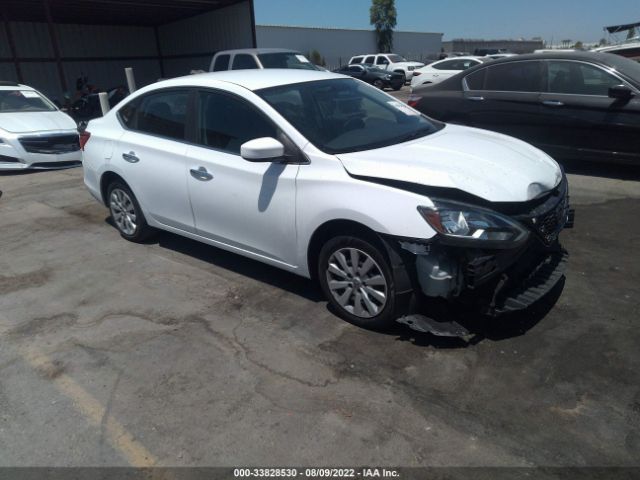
495,281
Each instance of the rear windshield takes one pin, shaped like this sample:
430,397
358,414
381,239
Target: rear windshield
345,115
24,101
286,60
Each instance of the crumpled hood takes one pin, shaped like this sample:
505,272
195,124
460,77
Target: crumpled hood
489,165
23,122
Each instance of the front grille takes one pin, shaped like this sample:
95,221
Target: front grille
51,144
550,216
549,224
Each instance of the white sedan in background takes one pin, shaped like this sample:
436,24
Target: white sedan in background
34,134
443,69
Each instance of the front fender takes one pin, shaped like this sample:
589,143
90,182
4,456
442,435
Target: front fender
325,192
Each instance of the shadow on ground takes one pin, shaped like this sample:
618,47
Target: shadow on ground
481,326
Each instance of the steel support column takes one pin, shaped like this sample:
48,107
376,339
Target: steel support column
54,45
159,49
12,47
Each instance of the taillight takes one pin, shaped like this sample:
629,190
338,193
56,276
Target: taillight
84,138
414,100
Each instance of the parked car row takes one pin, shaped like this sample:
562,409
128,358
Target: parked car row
388,61
403,204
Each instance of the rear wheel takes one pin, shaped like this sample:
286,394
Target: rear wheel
126,213
357,281
378,84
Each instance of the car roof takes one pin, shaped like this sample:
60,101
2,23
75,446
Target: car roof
462,57
254,79
598,57
257,51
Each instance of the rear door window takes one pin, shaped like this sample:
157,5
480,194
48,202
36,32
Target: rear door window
371,59
222,63
514,77
161,113
243,61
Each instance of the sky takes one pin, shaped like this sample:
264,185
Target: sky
553,20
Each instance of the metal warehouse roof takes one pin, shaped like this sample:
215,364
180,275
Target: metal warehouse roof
108,12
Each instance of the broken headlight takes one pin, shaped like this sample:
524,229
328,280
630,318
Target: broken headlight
463,223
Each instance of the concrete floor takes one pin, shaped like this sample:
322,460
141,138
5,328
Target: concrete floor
176,353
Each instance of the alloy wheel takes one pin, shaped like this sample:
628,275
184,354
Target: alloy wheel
123,211
357,282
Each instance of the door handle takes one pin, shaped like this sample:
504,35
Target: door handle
476,99
553,103
130,157
201,174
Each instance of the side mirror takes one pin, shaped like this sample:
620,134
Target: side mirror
620,92
265,149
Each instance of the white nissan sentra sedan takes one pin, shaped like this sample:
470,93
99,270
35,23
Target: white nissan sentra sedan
329,178
34,134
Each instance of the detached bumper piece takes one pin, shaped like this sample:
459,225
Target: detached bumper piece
424,324
517,293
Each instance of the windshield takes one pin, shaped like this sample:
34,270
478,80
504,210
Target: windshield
345,115
396,58
626,66
286,60
24,101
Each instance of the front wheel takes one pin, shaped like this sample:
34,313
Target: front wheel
357,281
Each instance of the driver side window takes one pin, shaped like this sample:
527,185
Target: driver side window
226,122
579,79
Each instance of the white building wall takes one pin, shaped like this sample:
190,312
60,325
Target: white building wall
337,45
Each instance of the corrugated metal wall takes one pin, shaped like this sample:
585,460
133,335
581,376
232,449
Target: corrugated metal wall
337,46
92,45
203,35
102,52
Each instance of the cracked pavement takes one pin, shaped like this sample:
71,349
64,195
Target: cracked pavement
175,353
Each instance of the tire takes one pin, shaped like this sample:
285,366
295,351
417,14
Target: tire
404,76
398,88
126,213
366,299
378,84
